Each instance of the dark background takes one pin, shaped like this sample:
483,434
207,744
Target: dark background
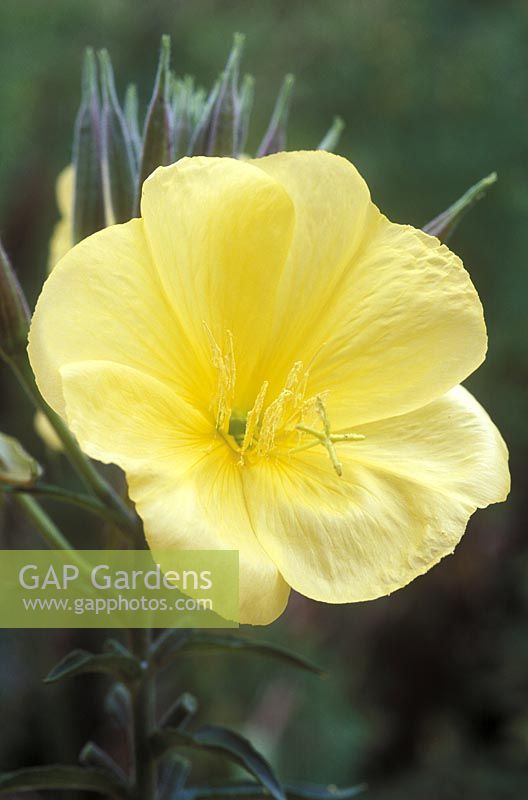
427,693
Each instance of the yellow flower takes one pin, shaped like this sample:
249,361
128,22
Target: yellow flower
275,366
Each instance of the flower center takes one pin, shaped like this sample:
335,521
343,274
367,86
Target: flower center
291,423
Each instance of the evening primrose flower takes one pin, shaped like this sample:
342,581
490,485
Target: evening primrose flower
276,367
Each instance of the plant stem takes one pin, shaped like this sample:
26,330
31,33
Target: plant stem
144,719
45,525
85,468
61,495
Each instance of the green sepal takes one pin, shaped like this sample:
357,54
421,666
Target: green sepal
275,137
132,121
293,791
59,777
246,99
17,467
331,138
117,156
224,742
175,641
445,223
157,134
201,133
78,662
88,203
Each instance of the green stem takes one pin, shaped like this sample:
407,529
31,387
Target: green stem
61,495
85,468
144,719
45,525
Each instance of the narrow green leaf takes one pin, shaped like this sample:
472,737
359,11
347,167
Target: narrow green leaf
78,662
17,468
157,135
180,713
118,706
445,223
176,641
232,745
59,777
275,137
117,157
88,204
331,138
174,774
293,791
93,756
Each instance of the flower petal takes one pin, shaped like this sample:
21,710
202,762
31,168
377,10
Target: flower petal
186,487
205,509
402,504
333,214
104,301
219,231
389,313
408,327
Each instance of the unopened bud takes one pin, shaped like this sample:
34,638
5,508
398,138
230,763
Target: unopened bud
88,206
117,158
157,135
17,468
14,312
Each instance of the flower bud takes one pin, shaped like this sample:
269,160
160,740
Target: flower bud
445,223
157,135
117,158
225,111
14,312
88,204
275,137
17,468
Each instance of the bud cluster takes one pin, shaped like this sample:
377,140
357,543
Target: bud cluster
114,152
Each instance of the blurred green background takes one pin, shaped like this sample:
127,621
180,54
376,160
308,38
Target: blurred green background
427,692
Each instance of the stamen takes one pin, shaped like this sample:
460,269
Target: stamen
226,366
253,418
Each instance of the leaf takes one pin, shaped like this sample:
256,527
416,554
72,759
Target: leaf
59,777
78,662
445,223
236,748
17,468
293,791
174,776
117,705
198,640
93,756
